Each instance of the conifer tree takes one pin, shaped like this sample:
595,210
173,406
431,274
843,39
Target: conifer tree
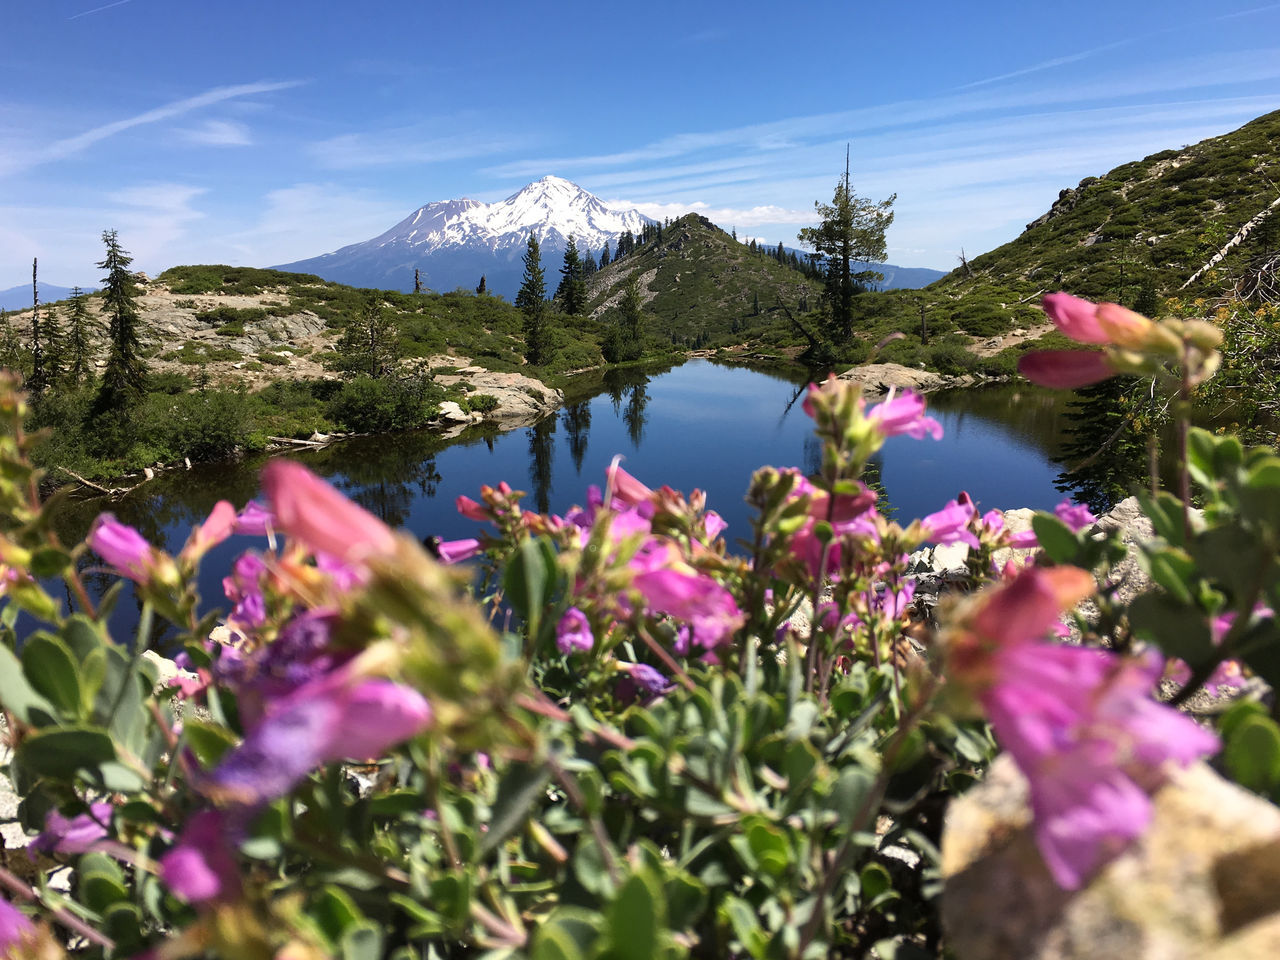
123,379
482,288
39,378
370,342
79,351
532,301
588,264
572,292
10,353
604,255
54,347
852,230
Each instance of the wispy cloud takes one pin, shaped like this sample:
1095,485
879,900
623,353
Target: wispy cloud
69,146
118,3
218,133
1047,64
353,151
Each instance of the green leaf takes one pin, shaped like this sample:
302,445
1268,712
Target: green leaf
17,695
1172,569
48,562
61,751
334,912
528,581
519,788
1055,538
636,915
100,890
51,670
850,792
209,740
93,673
1252,754
1166,516
875,880
362,942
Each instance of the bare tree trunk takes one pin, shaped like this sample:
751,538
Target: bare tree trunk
1234,241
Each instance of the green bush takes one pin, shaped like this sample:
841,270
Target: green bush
369,405
480,403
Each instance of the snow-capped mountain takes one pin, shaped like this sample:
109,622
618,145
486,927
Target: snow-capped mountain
453,242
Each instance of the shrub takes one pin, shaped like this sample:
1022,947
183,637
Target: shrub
369,405
481,403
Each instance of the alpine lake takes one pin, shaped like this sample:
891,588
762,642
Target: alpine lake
696,425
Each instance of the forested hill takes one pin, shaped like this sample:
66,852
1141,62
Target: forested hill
1146,227
698,282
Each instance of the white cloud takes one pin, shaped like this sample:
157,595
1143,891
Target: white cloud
218,133
16,161
721,216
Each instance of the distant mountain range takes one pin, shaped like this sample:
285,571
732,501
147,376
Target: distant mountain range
452,243
19,297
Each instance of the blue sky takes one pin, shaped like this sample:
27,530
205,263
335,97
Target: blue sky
262,132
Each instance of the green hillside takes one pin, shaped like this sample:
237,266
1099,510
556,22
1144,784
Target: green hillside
702,287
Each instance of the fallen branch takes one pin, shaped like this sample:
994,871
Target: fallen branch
301,443
1234,241
112,492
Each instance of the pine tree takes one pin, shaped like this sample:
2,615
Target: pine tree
54,347
604,255
532,301
39,378
852,230
123,379
370,342
10,352
588,264
572,292
482,288
79,350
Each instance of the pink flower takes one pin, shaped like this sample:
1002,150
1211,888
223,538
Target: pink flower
904,414
254,520
674,588
329,719
1123,327
219,525
15,927
453,551
1065,369
1075,317
1079,722
311,510
201,866
626,487
471,509
951,523
123,547
573,632
1075,515
713,524
76,834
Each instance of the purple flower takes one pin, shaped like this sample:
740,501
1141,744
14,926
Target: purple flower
951,524
122,547
15,927
648,682
681,592
201,866
325,721
244,590
1079,722
455,551
76,834
713,524
1075,515
573,632
904,414
255,520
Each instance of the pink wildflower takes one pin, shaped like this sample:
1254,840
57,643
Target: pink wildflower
625,487
904,414
15,927
1065,369
254,520
1076,516
951,523
75,834
471,509
1075,317
219,525
314,512
573,632
123,547
453,551
1079,722
713,524
201,866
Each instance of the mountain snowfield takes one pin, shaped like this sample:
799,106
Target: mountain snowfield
453,242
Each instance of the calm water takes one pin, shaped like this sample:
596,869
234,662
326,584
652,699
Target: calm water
698,425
